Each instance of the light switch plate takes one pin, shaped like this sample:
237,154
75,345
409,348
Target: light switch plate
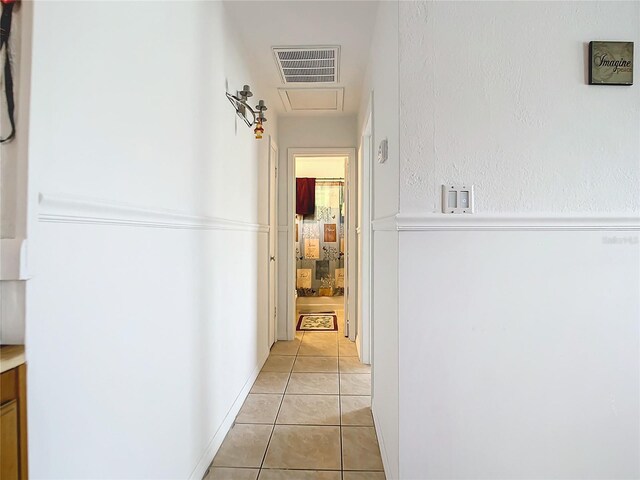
457,198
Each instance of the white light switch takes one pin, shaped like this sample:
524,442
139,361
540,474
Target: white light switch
457,198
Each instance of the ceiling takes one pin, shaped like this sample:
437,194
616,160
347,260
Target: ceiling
312,23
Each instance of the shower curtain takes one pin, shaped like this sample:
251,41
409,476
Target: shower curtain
320,243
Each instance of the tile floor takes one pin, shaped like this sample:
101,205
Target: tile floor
307,417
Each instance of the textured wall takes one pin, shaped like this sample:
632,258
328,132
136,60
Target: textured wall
496,94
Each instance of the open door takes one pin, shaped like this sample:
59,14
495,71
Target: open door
273,238
350,261
364,240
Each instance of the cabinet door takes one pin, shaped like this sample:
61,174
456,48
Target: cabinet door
9,453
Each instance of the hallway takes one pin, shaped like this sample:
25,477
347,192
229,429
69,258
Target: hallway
308,416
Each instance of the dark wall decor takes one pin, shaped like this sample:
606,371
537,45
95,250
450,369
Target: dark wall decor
611,63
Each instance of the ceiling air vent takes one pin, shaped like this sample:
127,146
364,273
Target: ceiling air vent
308,64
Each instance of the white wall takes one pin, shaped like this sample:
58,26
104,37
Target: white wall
302,132
519,354
498,101
381,82
519,345
147,312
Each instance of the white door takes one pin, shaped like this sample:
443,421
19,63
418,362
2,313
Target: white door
350,261
364,245
273,236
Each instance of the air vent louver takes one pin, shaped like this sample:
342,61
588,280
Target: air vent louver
308,64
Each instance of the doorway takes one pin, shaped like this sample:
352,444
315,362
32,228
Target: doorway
322,241
273,241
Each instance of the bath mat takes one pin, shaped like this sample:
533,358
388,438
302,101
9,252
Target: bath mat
318,322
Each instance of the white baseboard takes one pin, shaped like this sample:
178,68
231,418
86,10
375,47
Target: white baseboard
214,444
383,449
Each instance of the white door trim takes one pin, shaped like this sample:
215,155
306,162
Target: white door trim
365,229
273,242
350,153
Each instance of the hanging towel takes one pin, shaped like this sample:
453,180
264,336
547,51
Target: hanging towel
305,196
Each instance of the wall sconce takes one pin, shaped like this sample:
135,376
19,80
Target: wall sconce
249,115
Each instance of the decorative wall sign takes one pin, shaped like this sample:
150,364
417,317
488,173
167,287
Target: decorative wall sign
340,277
329,232
611,63
303,279
311,248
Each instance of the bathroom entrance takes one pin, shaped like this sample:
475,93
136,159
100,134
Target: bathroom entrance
320,242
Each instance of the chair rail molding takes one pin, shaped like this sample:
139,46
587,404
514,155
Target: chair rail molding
448,222
61,208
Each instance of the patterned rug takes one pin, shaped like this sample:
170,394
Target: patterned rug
318,321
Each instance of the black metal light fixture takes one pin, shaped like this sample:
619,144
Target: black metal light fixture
250,116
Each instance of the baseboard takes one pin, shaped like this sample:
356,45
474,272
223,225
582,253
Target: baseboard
213,446
383,449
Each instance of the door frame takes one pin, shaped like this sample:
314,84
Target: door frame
292,153
272,329
365,237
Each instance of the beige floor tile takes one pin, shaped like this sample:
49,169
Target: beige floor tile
244,446
310,410
298,475
356,410
343,339
270,382
347,349
284,347
259,408
353,365
279,363
355,384
313,384
360,449
329,349
363,476
303,447
316,364
224,473
319,337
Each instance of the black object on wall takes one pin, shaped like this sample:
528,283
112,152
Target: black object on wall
5,32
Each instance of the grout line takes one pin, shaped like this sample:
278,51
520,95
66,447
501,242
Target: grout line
274,424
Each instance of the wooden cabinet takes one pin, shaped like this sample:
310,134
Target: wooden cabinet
9,439
13,414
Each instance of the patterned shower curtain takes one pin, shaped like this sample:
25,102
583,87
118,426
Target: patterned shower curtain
320,243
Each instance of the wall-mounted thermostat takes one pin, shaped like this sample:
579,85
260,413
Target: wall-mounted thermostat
383,151
457,198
